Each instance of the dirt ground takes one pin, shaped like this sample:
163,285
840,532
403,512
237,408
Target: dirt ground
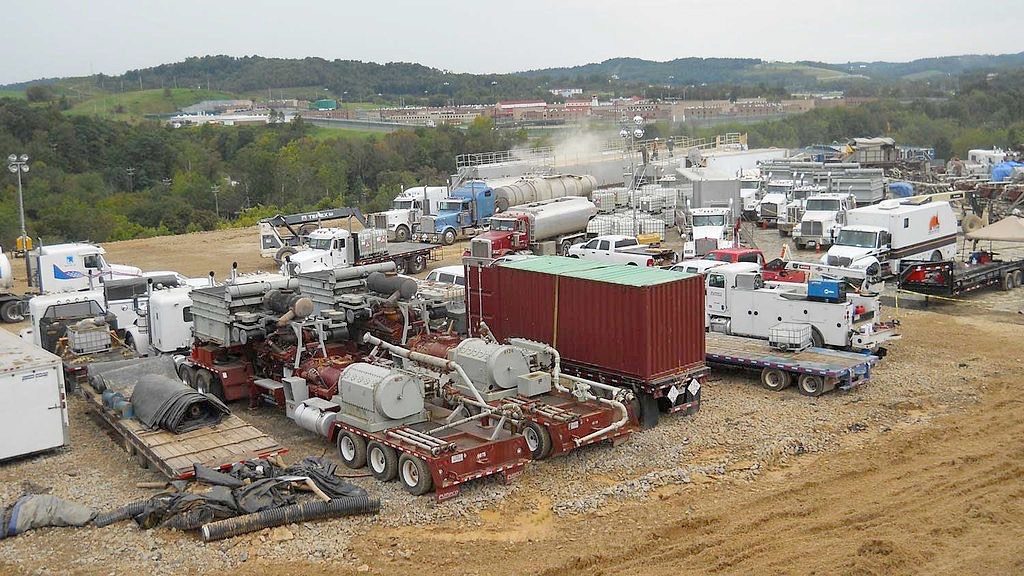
919,471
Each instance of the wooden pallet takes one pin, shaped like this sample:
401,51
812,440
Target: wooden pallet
229,442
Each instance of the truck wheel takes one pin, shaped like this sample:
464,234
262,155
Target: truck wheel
1007,281
417,264
783,233
208,383
352,449
308,227
415,475
936,256
401,234
401,266
187,375
383,461
10,312
775,379
284,252
448,238
538,440
817,340
1018,278
647,410
566,245
811,385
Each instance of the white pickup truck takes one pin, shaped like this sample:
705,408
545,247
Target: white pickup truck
622,250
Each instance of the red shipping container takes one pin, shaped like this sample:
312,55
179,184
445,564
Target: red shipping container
644,325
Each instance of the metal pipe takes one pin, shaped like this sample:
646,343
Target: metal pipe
446,365
616,392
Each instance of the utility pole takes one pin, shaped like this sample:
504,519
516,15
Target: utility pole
131,179
216,203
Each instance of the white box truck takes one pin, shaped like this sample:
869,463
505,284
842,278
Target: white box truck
34,411
892,231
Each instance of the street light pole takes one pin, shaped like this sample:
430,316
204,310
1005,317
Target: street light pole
630,135
18,164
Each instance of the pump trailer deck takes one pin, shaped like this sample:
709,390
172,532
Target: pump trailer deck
219,447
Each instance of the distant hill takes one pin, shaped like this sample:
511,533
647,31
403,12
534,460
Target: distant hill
915,69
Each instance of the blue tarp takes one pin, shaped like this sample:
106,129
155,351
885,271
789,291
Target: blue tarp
901,189
1003,170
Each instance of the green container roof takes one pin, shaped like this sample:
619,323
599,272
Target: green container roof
597,271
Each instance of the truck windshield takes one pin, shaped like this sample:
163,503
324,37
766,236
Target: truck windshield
778,188
402,204
320,243
750,184
856,238
709,220
503,225
451,206
821,205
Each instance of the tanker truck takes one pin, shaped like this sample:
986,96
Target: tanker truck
549,227
532,190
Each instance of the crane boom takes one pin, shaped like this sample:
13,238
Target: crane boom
868,277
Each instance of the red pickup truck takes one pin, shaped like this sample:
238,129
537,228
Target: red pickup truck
771,271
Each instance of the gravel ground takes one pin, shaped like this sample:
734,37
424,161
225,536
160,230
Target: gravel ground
741,433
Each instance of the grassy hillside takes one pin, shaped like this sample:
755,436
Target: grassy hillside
12,93
135,106
767,71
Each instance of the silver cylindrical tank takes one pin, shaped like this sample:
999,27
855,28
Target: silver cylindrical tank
386,284
393,394
313,419
557,217
544,188
490,366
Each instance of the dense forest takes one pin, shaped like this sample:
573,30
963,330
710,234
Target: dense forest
104,180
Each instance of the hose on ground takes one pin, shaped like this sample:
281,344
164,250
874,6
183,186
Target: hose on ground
122,513
190,520
288,515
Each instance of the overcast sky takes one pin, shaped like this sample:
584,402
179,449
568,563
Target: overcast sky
46,38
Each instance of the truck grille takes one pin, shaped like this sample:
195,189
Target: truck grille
380,221
769,210
480,248
705,245
810,228
839,261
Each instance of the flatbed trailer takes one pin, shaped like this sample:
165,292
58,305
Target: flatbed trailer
174,455
76,367
411,257
434,455
815,370
951,278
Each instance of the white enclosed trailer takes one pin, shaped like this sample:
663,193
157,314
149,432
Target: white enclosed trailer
34,412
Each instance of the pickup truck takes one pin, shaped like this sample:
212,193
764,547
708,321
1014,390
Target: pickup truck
623,250
771,271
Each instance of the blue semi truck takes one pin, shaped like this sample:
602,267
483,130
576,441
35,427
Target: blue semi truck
467,209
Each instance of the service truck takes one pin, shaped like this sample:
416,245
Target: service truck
468,209
548,227
823,216
403,219
331,248
892,231
618,249
710,229
737,302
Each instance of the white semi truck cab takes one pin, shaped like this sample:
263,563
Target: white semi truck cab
774,201
823,216
710,229
403,219
72,267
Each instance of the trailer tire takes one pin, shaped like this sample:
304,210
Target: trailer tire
800,245
817,340
415,475
538,440
1018,278
811,385
10,312
566,245
188,375
209,383
1007,284
417,264
352,449
285,252
448,237
775,379
382,460
401,266
648,410
402,234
